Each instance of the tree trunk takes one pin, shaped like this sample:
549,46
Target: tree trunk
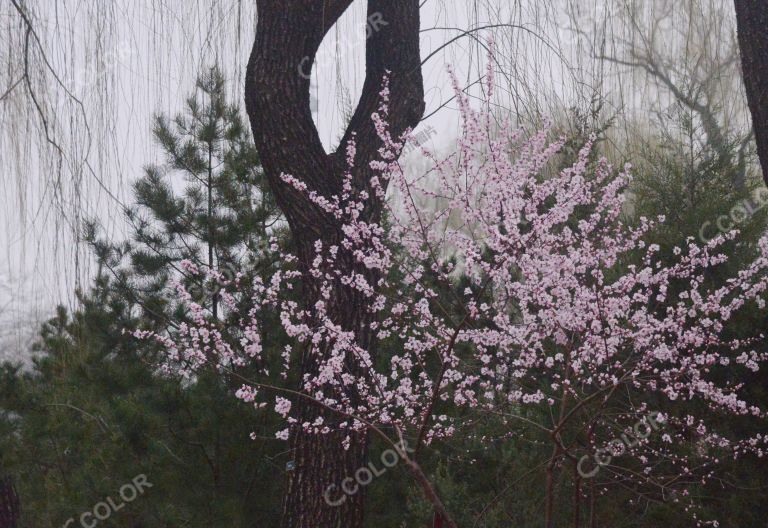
752,25
9,504
277,93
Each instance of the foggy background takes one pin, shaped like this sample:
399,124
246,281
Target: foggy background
78,94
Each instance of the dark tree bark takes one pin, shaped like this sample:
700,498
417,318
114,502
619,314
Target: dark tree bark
9,504
288,35
752,26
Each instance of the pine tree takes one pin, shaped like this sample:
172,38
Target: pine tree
93,412
208,204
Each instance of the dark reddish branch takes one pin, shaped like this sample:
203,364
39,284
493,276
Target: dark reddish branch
752,24
9,504
576,495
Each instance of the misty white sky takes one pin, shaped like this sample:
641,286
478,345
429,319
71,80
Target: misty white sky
127,59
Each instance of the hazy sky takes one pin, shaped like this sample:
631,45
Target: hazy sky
128,59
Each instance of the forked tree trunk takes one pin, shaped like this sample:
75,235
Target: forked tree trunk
288,35
752,26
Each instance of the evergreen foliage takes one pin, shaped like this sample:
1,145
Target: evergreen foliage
93,412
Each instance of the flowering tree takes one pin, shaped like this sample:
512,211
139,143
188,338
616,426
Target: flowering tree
288,38
569,323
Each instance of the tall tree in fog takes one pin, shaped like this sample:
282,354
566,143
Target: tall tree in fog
288,37
752,23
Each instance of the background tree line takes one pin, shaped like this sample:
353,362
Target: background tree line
94,409
197,227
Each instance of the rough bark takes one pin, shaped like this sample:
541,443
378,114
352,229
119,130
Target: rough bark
752,26
9,504
288,35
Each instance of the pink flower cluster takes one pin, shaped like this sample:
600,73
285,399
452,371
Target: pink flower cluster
567,306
